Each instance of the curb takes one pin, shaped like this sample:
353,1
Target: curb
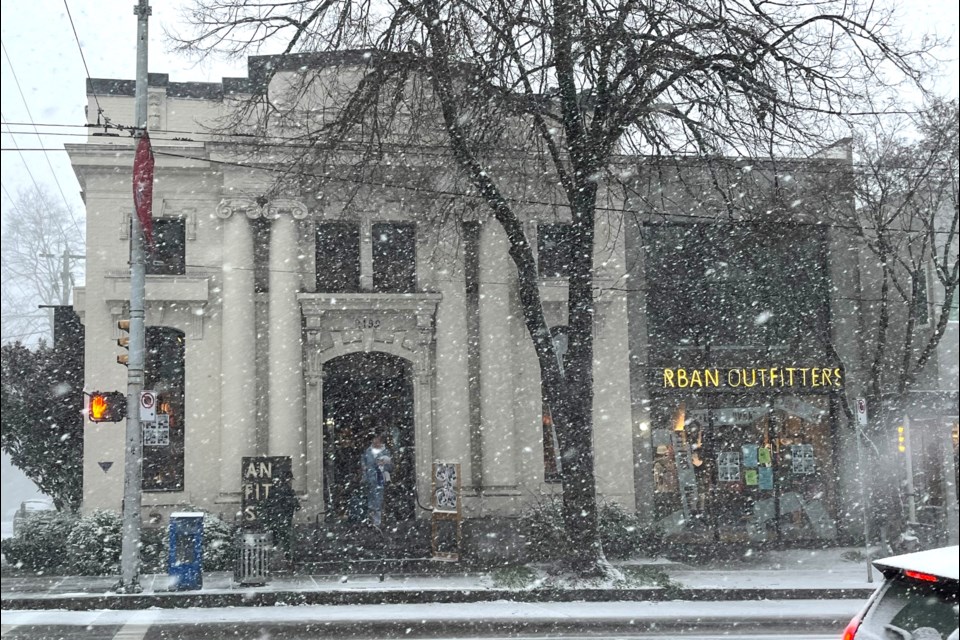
86,602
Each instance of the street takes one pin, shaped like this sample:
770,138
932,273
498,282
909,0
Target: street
766,619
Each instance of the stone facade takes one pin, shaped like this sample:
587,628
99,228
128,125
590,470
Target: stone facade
263,340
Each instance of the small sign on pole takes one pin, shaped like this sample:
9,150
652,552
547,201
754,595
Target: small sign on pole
148,406
862,412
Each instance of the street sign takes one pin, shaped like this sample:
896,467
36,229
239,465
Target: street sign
157,433
862,412
148,406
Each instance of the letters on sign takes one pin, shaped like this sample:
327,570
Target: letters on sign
256,482
747,378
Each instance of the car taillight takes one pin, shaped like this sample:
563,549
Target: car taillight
919,575
851,631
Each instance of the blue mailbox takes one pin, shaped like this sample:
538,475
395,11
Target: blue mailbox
186,551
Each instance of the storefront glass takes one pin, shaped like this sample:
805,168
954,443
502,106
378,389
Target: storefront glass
736,469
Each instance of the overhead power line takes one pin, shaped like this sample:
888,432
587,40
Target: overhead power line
76,37
36,132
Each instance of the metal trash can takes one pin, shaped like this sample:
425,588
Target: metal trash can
253,557
185,560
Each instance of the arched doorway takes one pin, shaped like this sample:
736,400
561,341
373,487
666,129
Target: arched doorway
363,393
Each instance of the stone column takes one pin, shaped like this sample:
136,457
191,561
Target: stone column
238,435
496,363
286,414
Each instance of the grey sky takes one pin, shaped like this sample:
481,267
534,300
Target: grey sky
40,44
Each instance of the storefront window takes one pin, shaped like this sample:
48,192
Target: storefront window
735,469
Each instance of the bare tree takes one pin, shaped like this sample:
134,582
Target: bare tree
907,216
41,245
520,94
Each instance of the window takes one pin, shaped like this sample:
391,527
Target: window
169,255
338,257
394,258
554,250
163,441
552,465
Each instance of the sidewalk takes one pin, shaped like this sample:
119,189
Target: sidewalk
838,581
474,620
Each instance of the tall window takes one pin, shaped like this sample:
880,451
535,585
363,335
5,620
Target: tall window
338,257
554,250
169,255
551,446
163,442
394,258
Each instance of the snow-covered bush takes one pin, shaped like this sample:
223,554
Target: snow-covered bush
40,545
219,544
621,532
93,546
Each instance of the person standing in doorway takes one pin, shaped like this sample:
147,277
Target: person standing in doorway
376,465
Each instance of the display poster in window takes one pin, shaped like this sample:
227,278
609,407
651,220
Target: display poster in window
763,455
750,460
802,461
728,466
765,478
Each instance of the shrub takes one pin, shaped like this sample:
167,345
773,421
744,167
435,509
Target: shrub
153,549
40,545
621,532
93,546
219,544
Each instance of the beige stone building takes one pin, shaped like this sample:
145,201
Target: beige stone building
302,322
294,322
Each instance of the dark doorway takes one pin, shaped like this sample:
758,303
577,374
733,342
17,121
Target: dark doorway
364,393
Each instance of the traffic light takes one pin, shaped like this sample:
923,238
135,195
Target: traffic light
107,406
901,440
124,341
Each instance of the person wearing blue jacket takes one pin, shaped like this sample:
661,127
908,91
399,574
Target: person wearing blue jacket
376,465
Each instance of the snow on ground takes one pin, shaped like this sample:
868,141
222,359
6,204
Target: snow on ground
765,610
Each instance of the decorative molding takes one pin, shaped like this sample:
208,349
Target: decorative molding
270,210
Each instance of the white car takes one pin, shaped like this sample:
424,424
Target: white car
30,507
917,600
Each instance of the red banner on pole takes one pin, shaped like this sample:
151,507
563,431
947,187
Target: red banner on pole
143,187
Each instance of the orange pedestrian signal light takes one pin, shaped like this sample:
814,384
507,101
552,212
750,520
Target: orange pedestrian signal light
107,406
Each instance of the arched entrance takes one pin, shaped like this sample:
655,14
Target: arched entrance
363,393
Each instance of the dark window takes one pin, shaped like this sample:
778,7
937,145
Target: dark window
394,258
169,255
551,447
338,257
163,442
554,250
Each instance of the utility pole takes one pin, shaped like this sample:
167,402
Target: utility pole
66,273
133,452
